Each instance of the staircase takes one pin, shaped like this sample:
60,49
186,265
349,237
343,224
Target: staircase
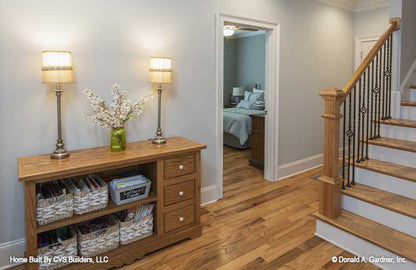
369,207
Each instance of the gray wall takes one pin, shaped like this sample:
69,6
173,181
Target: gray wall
250,61
408,35
244,63
371,22
112,41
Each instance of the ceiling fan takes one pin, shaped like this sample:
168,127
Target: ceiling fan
229,30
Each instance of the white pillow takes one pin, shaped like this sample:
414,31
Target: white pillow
245,104
247,95
256,96
255,90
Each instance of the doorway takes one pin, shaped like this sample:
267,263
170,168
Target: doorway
271,84
363,46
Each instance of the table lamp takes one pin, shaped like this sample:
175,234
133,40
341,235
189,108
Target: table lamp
57,68
160,72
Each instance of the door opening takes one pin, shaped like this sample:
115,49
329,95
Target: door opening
225,90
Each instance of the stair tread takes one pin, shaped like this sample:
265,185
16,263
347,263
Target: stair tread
399,122
396,242
409,103
388,168
384,199
394,143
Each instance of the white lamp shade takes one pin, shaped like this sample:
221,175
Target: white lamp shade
238,91
160,70
57,67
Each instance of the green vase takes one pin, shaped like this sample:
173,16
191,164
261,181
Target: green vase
118,139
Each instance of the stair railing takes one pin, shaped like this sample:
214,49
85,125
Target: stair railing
365,101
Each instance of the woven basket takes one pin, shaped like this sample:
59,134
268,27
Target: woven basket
66,248
53,209
131,231
91,200
98,242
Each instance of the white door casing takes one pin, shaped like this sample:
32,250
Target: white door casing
272,94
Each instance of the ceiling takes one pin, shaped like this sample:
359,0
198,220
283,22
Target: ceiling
357,5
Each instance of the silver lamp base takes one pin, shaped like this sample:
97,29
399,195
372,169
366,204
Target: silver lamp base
159,139
58,155
60,151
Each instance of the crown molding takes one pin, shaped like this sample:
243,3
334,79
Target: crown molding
344,4
356,5
371,4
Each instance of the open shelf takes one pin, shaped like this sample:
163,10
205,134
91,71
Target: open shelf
111,208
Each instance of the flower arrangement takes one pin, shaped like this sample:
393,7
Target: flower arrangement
115,114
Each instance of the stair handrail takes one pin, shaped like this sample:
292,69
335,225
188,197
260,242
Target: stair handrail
330,181
394,25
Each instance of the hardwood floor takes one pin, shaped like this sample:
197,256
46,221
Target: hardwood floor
257,225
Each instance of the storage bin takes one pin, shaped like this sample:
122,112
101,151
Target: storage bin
56,208
99,241
133,231
92,199
65,248
130,194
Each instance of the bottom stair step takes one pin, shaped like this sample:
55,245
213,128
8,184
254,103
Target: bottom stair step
375,233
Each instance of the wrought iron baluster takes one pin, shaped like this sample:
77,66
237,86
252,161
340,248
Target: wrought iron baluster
349,134
343,143
390,71
384,83
379,94
354,137
359,123
372,131
363,112
367,110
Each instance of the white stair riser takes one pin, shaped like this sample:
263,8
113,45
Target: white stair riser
398,132
401,157
385,182
412,94
380,215
408,112
356,245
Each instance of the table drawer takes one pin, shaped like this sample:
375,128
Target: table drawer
178,166
179,192
179,218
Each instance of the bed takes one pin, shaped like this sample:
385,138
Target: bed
237,127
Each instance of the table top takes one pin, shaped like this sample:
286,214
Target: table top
100,158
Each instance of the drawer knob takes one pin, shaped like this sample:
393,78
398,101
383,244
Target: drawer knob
181,219
181,167
181,193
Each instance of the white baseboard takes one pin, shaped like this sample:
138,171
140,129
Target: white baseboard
302,165
208,195
299,166
13,248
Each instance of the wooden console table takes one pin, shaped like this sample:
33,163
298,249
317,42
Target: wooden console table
173,168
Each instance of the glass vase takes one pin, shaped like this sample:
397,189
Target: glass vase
118,139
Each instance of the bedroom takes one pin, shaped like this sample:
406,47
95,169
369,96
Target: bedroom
244,97
244,100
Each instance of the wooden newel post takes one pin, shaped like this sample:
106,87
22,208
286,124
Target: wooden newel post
331,183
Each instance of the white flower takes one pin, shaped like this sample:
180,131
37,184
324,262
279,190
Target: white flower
117,113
